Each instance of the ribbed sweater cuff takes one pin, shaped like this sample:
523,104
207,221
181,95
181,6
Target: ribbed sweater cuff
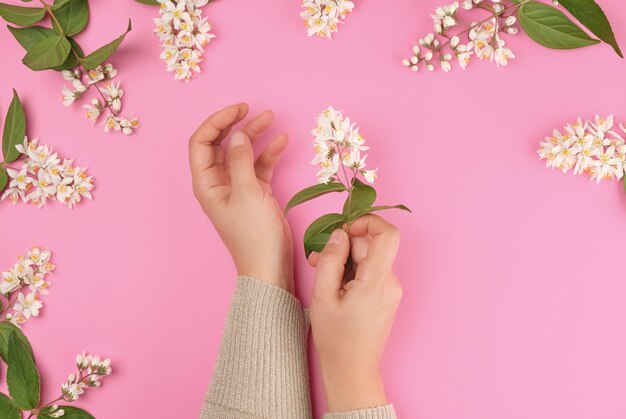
382,412
261,369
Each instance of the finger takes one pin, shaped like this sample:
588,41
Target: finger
258,124
203,153
358,248
264,166
382,249
330,265
313,258
241,162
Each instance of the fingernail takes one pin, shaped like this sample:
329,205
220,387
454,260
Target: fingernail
336,237
237,139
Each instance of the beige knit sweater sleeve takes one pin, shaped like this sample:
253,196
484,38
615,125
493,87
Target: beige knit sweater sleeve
261,370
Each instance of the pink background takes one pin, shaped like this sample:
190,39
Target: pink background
513,274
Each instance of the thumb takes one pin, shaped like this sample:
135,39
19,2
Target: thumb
330,264
241,161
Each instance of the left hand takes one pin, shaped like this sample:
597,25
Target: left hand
234,191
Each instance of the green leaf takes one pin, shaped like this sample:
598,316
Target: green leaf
72,60
23,16
624,183
6,329
14,129
7,409
47,53
22,375
364,211
324,224
313,192
150,2
97,57
316,243
71,412
72,15
551,28
28,37
589,13
4,179
363,196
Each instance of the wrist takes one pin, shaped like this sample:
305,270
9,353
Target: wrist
353,390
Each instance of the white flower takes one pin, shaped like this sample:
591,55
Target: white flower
183,34
339,143
72,388
68,96
590,147
444,17
26,307
93,110
322,17
370,175
42,178
55,412
129,124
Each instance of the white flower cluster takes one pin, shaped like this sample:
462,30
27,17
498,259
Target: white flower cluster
27,280
110,92
483,37
184,33
338,143
592,147
322,17
90,372
43,177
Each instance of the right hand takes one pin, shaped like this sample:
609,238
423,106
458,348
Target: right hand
351,323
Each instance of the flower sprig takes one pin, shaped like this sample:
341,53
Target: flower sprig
480,33
56,49
183,33
43,175
23,285
23,379
322,17
339,151
593,147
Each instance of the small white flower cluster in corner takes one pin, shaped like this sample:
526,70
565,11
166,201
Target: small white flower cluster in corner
322,17
90,372
481,39
338,144
24,283
184,33
591,147
110,97
43,177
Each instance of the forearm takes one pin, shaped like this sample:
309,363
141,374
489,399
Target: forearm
261,370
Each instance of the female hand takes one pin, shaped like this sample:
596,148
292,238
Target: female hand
351,324
234,191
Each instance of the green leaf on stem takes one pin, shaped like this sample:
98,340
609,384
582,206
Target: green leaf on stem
23,16
316,243
150,2
22,375
71,412
624,183
47,53
28,37
324,224
72,59
4,179
6,329
591,15
551,28
313,192
14,129
72,15
363,196
364,211
7,409
97,57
